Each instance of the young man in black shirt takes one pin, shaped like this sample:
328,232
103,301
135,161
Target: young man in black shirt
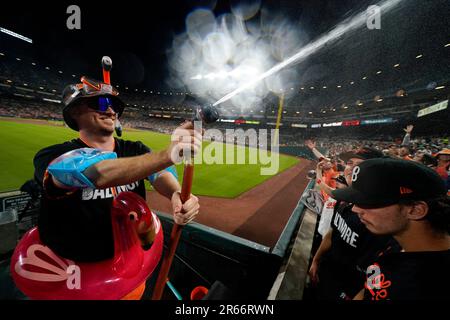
338,267
81,177
408,201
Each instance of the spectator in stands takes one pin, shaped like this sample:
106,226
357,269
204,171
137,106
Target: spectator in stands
443,163
408,201
426,160
443,166
312,146
404,152
405,149
393,151
326,176
338,267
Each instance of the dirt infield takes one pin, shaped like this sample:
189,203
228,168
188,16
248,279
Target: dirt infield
259,214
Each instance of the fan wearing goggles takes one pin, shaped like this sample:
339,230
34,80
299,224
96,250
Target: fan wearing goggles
99,114
98,161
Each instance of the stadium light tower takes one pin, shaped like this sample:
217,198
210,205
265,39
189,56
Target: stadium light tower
16,35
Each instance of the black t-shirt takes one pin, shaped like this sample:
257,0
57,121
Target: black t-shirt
77,225
352,245
410,276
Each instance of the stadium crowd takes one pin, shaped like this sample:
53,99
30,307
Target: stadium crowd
384,216
29,109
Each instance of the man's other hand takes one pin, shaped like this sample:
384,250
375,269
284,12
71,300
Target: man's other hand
184,213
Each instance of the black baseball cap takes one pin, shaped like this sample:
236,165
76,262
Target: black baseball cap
385,181
364,153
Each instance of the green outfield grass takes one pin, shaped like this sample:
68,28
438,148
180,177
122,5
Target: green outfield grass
20,141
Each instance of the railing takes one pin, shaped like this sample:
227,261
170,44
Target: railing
294,246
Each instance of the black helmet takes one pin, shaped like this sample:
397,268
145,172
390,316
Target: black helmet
88,88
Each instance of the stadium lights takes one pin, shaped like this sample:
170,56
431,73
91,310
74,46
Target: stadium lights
60,72
312,88
284,111
360,104
324,87
419,56
48,68
396,65
18,59
298,112
339,86
310,112
447,45
303,88
151,91
51,100
25,85
379,100
352,83
16,35
9,81
345,107
439,88
53,90
324,111
33,63
2,54
42,88
364,78
379,72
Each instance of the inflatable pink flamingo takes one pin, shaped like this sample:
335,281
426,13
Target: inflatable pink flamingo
41,274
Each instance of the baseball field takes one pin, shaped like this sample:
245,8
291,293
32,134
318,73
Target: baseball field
20,140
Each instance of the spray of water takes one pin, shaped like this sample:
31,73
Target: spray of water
353,23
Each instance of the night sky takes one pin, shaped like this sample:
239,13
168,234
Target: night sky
138,34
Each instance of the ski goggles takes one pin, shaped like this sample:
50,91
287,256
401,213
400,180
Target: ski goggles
102,103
